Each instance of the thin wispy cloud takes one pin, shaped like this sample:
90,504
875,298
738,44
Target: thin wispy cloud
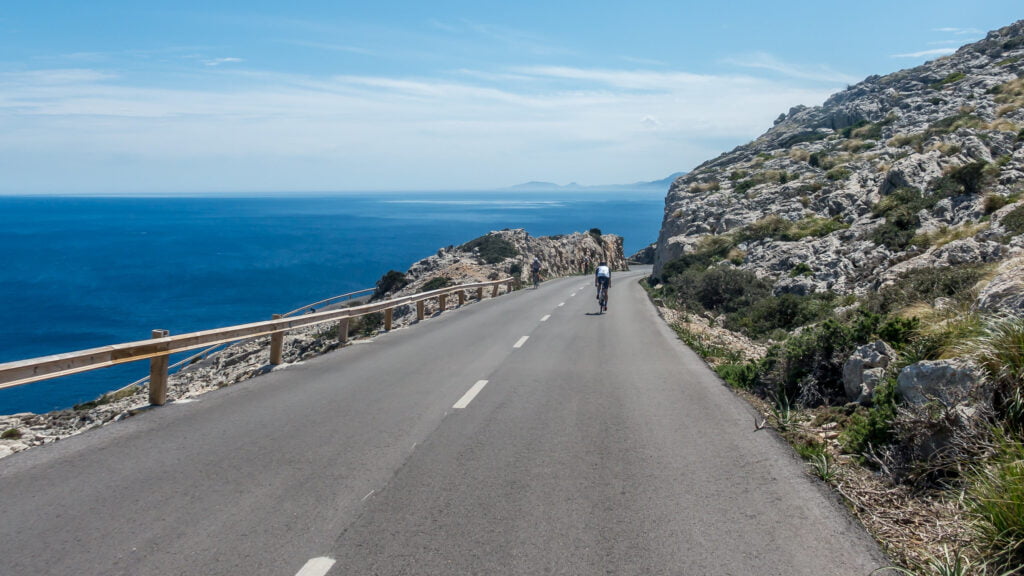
935,52
960,31
332,47
222,61
766,61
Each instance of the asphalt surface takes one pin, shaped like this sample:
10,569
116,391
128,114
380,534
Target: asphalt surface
521,435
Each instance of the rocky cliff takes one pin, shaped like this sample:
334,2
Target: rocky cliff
920,168
859,269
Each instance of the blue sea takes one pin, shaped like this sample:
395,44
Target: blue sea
83,272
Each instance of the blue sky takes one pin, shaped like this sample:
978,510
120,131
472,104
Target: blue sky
211,96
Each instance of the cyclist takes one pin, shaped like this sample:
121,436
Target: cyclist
535,272
603,277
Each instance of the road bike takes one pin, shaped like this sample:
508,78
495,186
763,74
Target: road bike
602,297
536,278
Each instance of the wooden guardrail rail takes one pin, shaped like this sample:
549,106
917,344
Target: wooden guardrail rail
162,344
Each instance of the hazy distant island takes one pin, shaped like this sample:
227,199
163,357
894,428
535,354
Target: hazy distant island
655,185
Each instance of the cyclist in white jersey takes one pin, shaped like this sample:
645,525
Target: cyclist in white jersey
603,275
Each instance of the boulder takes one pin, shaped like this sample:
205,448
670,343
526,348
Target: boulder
865,369
948,381
1005,293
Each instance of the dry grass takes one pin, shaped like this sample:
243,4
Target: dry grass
1003,125
799,154
911,526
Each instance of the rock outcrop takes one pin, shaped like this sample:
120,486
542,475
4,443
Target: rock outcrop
920,168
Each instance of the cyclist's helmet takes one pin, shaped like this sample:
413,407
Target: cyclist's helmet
603,263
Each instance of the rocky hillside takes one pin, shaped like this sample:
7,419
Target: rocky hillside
858,271
920,168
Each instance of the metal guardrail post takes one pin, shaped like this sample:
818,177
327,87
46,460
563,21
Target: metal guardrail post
462,297
442,302
494,290
158,374
480,294
343,331
421,310
276,344
389,316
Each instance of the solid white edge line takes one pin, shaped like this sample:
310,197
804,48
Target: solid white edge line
316,567
521,341
545,319
469,395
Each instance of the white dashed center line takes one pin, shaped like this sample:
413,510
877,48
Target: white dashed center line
545,319
468,396
521,341
562,304
316,567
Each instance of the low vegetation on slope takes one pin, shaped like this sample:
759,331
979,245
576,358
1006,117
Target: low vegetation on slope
857,273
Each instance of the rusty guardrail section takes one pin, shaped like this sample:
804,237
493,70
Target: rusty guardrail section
162,344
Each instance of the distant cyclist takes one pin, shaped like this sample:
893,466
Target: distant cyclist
603,279
535,272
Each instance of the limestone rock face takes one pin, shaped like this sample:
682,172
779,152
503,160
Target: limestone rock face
1005,293
865,369
948,131
565,255
948,381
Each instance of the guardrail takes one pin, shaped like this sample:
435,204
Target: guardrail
217,347
162,344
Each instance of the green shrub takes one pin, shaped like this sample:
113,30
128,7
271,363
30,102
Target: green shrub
11,434
870,428
993,202
966,179
995,497
492,249
437,283
596,232
768,227
370,323
817,355
389,282
898,230
926,285
709,250
838,173
515,269
951,78
1014,221
743,186
915,141
801,269
814,227
742,376
767,314
722,289
951,124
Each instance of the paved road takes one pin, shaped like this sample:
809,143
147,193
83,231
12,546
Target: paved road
522,435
